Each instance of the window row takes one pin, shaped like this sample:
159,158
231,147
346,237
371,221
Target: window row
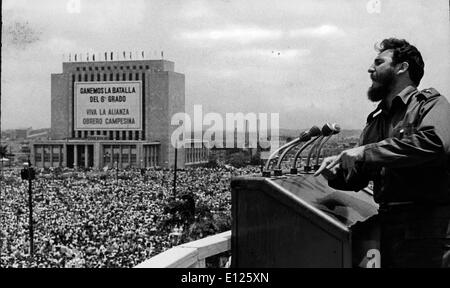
102,68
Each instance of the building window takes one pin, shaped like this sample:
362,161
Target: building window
109,67
141,67
116,153
38,157
107,154
102,68
128,67
124,76
137,76
92,77
130,76
78,68
79,77
117,77
121,67
55,157
134,67
98,77
125,155
84,68
96,68
46,154
104,77
147,67
85,78
111,77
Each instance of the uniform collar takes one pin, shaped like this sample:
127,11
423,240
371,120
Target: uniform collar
406,93
403,96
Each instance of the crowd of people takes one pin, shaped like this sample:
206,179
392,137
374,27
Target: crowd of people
111,218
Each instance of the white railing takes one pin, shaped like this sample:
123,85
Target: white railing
192,254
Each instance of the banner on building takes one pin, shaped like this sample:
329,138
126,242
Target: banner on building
108,105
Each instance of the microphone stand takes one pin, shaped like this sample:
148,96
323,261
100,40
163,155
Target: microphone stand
266,173
316,166
294,169
280,159
307,167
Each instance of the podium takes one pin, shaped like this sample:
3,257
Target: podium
298,221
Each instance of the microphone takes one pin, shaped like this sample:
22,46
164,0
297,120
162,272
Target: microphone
327,130
304,136
335,130
313,132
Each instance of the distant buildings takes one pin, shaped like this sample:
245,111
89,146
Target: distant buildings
116,114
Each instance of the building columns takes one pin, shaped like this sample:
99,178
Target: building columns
75,156
51,155
129,155
86,156
64,163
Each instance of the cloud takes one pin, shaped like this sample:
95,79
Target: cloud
287,54
323,31
234,34
196,10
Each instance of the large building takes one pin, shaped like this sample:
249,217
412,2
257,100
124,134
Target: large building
116,114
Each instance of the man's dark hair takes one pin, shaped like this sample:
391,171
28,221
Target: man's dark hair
405,52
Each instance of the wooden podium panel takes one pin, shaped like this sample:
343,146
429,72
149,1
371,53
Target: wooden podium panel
294,221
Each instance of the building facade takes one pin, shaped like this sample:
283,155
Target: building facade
115,114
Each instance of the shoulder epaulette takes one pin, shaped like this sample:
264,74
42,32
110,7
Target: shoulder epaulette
374,114
429,93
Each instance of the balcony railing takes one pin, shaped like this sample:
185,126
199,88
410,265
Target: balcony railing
193,254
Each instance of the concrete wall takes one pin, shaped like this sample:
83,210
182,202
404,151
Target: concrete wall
61,105
176,105
164,97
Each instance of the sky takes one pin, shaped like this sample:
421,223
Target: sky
304,59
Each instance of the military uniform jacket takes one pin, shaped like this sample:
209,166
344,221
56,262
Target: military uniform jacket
406,150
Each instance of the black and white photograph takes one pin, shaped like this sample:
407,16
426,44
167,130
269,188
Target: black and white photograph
232,134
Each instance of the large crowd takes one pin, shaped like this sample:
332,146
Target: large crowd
110,218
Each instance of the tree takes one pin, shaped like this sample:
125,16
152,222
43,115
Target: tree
3,151
238,160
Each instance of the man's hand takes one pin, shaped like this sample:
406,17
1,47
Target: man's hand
346,160
328,173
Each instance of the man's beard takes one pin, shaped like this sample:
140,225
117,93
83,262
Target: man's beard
380,92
